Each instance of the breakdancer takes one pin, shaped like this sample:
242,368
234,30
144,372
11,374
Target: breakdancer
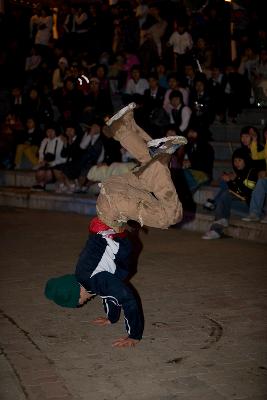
145,195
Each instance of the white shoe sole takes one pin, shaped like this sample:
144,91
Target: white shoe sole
174,139
120,113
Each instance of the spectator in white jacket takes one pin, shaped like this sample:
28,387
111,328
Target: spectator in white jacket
49,156
135,85
181,42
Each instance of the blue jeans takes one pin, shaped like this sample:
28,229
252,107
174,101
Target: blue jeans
226,202
258,197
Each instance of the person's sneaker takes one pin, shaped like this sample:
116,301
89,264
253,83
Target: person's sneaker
209,205
222,222
38,188
251,218
211,235
120,113
167,145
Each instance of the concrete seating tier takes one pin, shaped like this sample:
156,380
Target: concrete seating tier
84,204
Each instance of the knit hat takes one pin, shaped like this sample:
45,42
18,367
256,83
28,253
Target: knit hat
63,290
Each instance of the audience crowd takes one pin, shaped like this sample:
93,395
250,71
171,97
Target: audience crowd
65,68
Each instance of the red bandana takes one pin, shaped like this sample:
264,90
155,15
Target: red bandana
96,226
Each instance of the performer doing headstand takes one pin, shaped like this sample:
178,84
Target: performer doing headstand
146,195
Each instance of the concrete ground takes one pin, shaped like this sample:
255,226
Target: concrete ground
205,318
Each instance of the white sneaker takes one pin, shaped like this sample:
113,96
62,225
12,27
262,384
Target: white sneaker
120,113
161,141
166,145
223,222
211,235
251,218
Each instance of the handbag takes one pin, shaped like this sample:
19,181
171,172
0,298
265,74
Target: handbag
49,157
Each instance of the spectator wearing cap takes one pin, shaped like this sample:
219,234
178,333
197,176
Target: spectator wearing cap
60,73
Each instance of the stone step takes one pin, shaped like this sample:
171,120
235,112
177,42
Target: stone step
21,178
253,116
26,198
221,166
26,178
229,132
83,204
224,150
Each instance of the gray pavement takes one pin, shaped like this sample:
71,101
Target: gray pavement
205,318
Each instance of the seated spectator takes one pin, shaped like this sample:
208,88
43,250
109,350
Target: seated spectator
130,60
32,67
135,85
216,88
258,197
7,141
93,150
60,73
162,75
256,207
154,94
204,55
174,83
101,73
30,142
190,76
198,160
260,78
258,151
200,103
33,60
249,139
67,174
237,92
250,142
97,101
179,114
70,100
99,173
39,106
248,62
17,102
236,195
49,157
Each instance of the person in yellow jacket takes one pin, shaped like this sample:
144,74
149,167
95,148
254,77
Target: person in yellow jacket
258,198
257,154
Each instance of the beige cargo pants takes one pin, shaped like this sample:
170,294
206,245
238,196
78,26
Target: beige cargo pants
147,196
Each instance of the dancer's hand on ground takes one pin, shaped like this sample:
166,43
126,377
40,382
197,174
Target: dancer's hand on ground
101,321
125,342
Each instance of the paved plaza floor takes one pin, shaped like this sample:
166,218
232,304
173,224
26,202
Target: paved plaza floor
205,308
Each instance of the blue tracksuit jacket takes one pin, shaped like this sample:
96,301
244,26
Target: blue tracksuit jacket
101,269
